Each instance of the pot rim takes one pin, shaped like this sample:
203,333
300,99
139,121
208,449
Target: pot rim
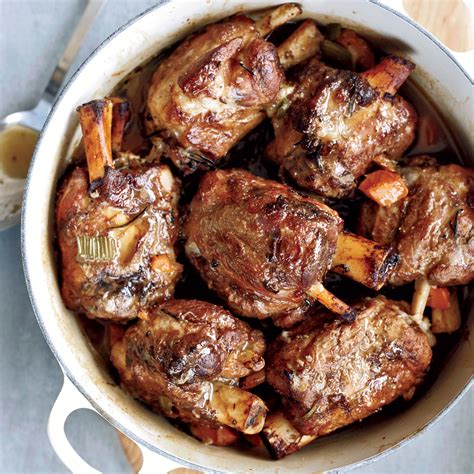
36,309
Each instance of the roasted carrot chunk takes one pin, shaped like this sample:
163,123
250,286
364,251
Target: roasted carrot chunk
438,298
255,440
161,263
447,320
216,436
384,187
360,50
113,334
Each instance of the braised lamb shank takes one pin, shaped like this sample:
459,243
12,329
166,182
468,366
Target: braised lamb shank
432,228
116,226
334,123
214,88
265,249
186,361
331,373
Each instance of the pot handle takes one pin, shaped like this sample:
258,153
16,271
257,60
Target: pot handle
153,463
465,58
68,401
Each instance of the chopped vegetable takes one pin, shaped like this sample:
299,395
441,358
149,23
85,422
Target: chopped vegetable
253,380
113,334
97,248
382,161
430,136
333,30
438,298
362,56
220,436
336,54
408,395
255,440
384,187
143,315
361,53
166,406
161,263
304,43
447,320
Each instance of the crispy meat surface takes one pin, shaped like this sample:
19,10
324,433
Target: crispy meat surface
187,354
432,229
338,121
117,240
259,244
212,90
331,373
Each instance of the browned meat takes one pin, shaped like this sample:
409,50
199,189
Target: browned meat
432,228
265,248
259,244
214,88
335,123
117,235
185,362
331,373
117,246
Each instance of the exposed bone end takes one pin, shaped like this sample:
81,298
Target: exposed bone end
422,291
120,117
277,17
281,437
304,43
389,74
95,118
418,305
363,260
238,408
332,302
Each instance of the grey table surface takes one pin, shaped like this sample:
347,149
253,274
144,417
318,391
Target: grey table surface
32,35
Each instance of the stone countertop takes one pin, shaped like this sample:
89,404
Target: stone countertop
32,35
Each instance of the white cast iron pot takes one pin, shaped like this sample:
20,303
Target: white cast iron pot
87,382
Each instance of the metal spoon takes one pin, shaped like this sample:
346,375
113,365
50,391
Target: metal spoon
34,118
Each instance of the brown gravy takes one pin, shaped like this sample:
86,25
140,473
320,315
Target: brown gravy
17,144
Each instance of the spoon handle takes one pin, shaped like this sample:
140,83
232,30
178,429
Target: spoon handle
92,10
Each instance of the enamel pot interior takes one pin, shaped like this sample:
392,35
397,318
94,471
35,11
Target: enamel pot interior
141,39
